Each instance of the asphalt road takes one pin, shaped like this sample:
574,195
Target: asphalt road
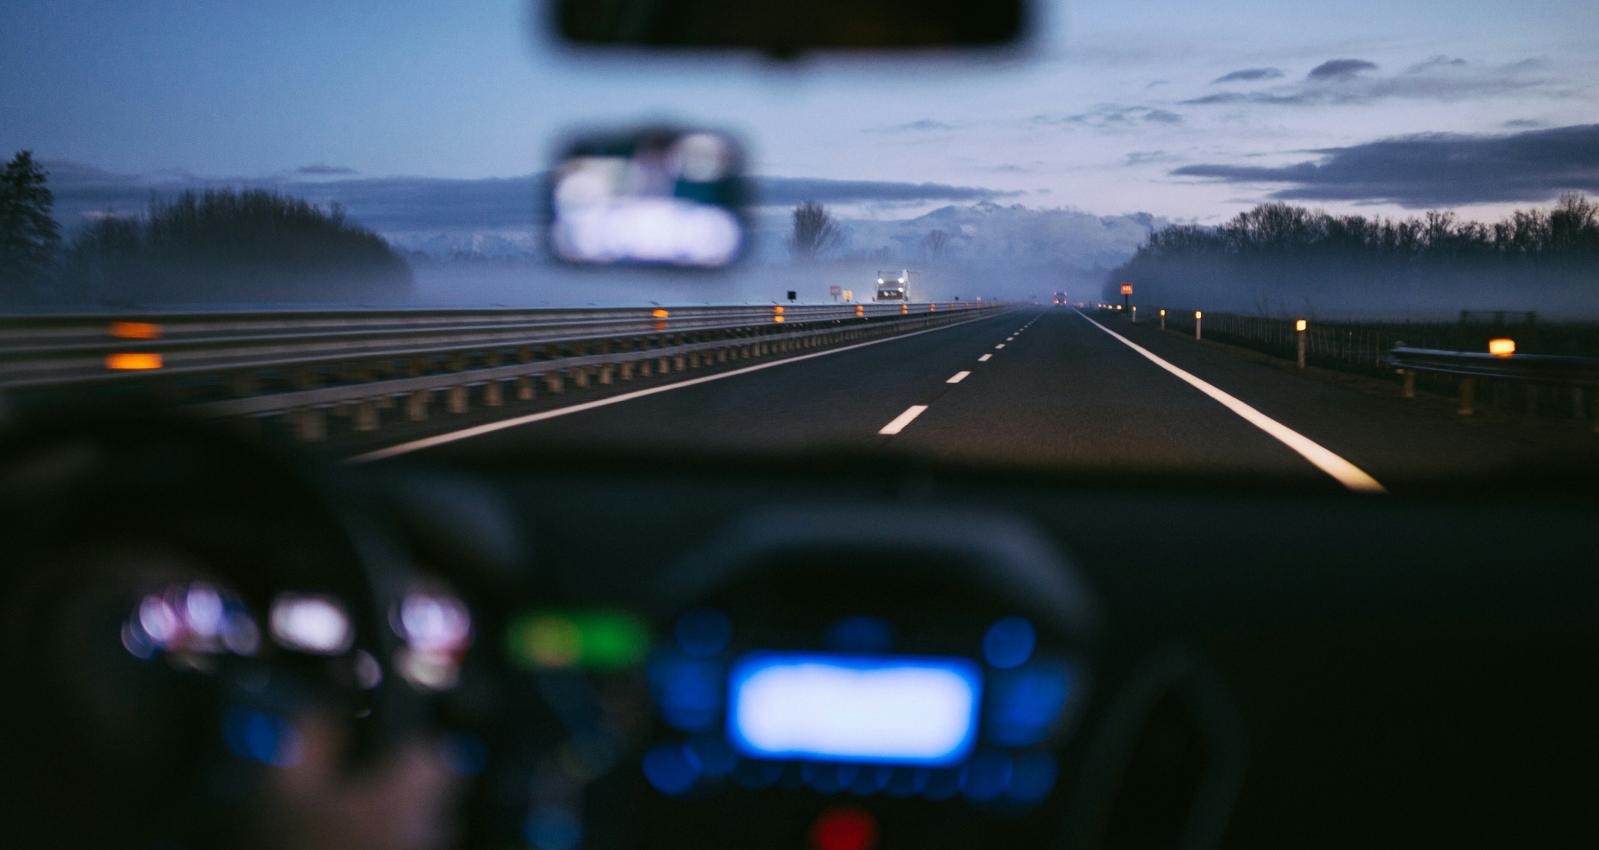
1050,387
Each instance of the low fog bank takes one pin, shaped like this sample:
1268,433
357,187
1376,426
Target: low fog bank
1306,290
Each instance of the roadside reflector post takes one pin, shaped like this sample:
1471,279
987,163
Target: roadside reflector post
1501,347
1163,318
1409,377
1299,333
1468,396
1198,318
777,314
1135,314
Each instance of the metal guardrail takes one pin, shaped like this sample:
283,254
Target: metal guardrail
305,365
1580,373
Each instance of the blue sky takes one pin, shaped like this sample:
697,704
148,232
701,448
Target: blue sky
1116,107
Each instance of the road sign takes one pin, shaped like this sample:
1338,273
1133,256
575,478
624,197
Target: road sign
1127,289
835,291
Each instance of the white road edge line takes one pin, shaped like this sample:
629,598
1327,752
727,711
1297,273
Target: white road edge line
957,377
984,358
1346,473
902,420
491,427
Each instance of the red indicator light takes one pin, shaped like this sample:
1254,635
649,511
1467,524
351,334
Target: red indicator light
844,828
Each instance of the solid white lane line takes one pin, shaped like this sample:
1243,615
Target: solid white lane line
984,358
902,420
1346,473
491,427
998,347
957,377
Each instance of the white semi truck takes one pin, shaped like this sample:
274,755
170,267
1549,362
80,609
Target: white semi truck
894,287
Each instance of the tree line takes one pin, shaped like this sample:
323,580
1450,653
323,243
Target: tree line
219,244
1283,256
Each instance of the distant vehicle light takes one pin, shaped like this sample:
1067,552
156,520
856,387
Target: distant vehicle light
1501,347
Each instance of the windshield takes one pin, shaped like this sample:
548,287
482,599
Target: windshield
1160,238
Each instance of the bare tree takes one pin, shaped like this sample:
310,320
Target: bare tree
934,243
815,231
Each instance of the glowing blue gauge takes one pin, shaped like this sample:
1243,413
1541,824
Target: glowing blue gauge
1024,704
1009,643
688,691
847,708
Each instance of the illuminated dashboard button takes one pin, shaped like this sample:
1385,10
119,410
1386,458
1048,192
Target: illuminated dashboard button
844,828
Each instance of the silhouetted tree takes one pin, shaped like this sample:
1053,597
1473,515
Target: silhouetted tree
29,236
815,231
934,243
223,242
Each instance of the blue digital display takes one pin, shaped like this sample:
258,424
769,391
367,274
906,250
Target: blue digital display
851,708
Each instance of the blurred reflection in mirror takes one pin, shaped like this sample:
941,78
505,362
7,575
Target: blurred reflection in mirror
653,197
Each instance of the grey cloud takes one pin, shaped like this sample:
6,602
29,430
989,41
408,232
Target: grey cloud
1247,75
1436,61
1110,115
782,191
403,204
324,170
1436,169
1147,158
1520,124
1340,69
1441,79
924,125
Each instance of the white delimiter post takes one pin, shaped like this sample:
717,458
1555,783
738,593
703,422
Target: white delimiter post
1198,318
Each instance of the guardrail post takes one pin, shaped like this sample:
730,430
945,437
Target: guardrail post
627,370
493,394
553,382
1593,408
366,416
524,388
1468,396
416,405
310,424
455,399
606,373
1409,378
580,377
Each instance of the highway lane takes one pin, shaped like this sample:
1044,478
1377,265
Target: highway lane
1036,388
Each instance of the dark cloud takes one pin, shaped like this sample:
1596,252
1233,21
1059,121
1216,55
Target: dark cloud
324,170
1340,69
1520,124
924,125
1435,169
1110,115
783,191
1248,75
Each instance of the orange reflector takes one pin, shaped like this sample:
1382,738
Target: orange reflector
904,308
778,319
1299,325
132,361
134,330
1501,347
777,309
860,309
659,313
932,308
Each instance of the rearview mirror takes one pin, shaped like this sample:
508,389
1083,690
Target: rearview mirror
653,197
789,27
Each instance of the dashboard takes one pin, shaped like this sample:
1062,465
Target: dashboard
632,651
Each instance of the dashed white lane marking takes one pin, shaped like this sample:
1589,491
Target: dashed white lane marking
1010,338
490,427
900,421
984,358
998,347
957,377
1346,473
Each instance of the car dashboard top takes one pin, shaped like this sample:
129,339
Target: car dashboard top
622,653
